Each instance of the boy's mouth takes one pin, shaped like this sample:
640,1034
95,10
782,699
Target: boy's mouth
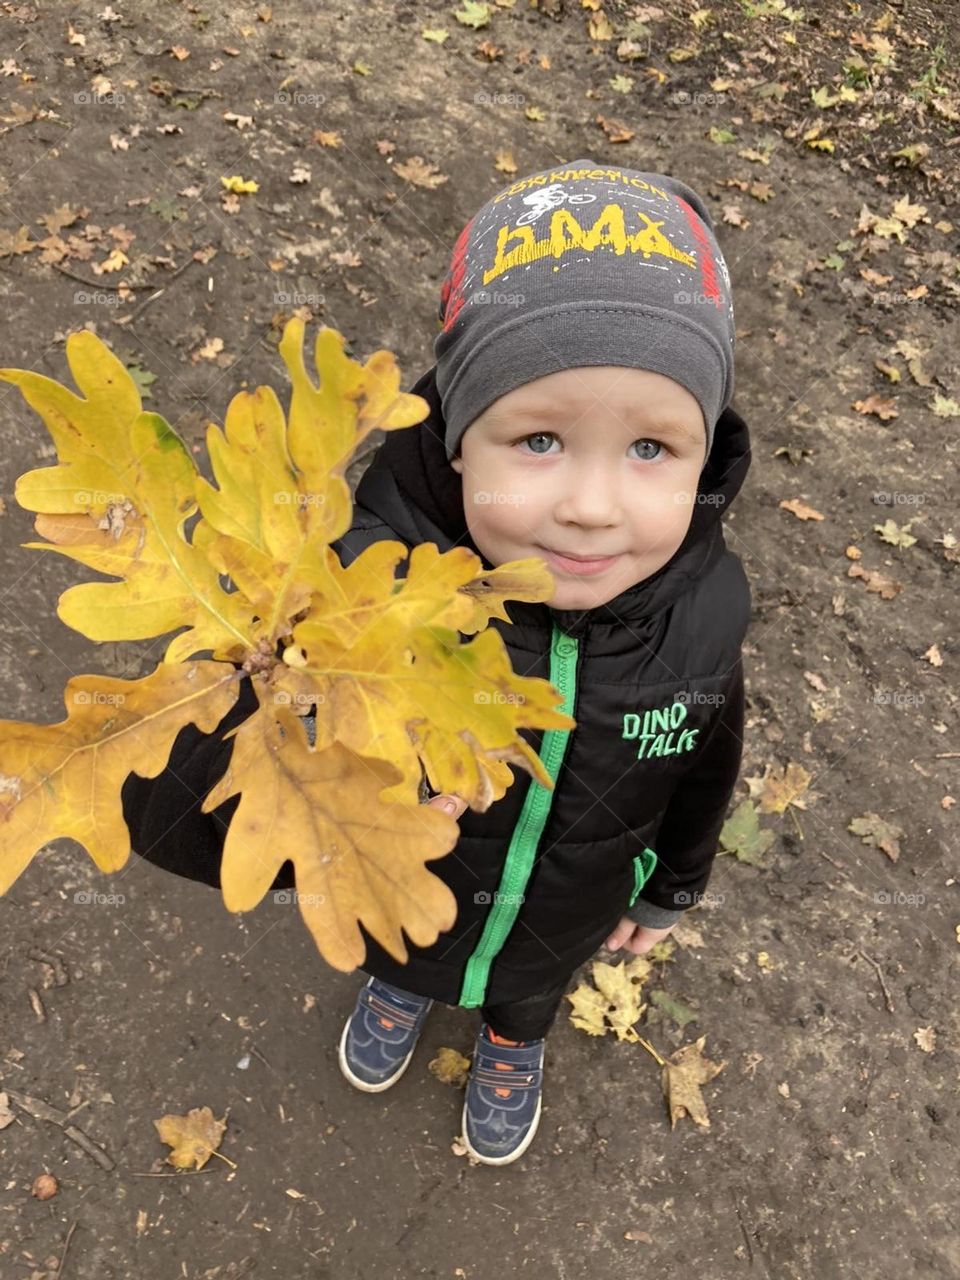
579,564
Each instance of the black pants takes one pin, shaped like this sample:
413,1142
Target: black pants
527,1019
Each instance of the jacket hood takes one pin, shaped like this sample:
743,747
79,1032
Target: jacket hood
411,487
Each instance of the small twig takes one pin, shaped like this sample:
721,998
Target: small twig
95,285
134,316
883,985
254,1049
66,1246
182,1173
41,1110
947,755
37,1004
60,975
832,861
97,1154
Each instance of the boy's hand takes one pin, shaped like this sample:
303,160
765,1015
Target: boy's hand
450,803
637,938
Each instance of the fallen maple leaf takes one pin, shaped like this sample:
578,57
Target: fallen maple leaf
473,14
613,1004
194,1137
743,836
783,787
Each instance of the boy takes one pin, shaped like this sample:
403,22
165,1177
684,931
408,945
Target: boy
586,310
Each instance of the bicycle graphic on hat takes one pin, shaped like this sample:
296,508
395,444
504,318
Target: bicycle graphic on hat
548,198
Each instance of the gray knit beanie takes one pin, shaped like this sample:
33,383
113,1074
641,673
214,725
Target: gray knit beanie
584,265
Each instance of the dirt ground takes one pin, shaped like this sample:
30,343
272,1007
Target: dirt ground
826,977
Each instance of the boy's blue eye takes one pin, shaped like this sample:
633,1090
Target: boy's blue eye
549,435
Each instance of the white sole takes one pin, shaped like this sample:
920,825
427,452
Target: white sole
514,1155
363,1084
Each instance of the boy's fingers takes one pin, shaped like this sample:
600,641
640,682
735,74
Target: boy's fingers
451,803
620,934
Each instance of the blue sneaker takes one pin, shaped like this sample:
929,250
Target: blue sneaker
501,1110
380,1035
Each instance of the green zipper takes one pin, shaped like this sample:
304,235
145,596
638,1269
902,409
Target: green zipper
526,834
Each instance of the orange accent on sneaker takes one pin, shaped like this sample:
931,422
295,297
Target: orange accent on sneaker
503,1039
503,1066
385,1023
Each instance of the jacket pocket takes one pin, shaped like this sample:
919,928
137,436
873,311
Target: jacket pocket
643,865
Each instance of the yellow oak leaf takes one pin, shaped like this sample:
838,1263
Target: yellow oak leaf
64,779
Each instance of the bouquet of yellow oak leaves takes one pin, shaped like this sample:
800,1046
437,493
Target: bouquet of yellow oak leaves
255,584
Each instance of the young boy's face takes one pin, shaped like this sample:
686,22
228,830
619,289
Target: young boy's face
599,461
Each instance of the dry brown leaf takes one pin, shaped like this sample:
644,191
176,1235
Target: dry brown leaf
615,130
879,583
877,833
933,656
883,407
800,509
420,173
681,1078
449,1066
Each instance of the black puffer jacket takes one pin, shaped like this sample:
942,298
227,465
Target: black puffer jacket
641,785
